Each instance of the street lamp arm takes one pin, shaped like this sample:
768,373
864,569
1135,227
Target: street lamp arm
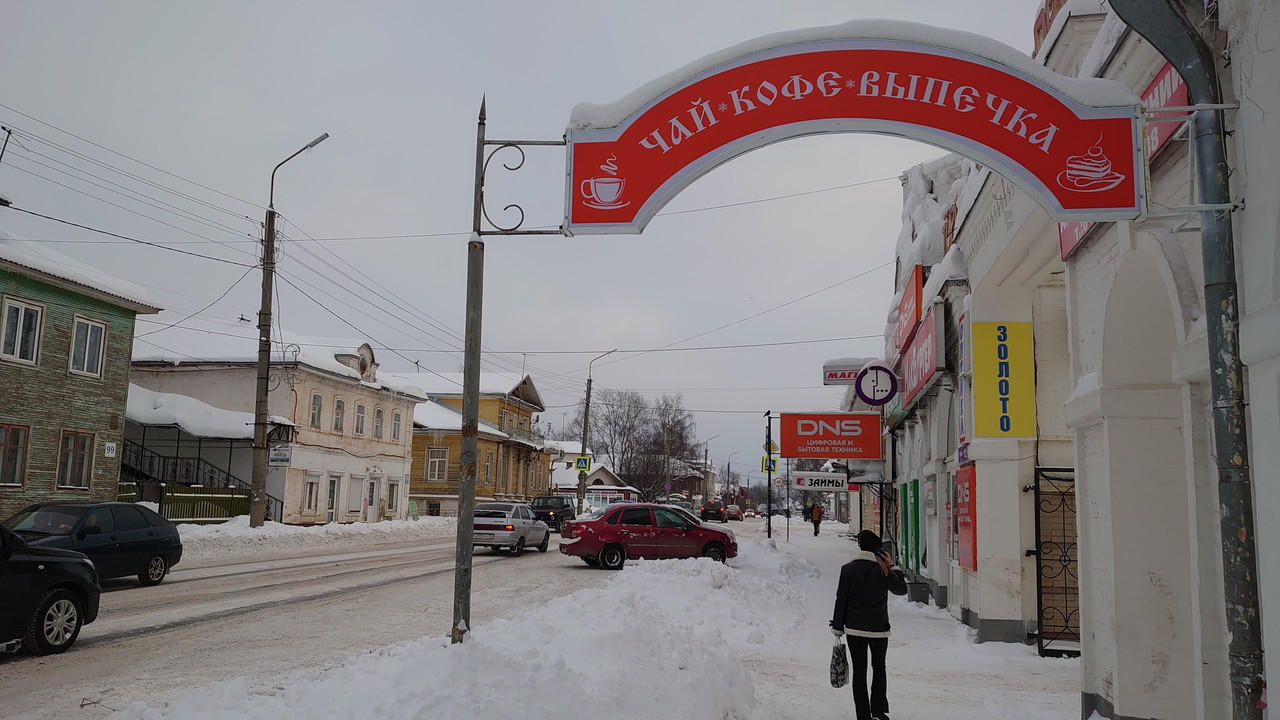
271,202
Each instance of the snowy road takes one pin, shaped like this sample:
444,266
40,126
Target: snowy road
299,612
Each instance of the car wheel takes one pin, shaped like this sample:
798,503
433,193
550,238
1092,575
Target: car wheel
157,568
715,551
546,540
613,557
519,548
591,561
56,623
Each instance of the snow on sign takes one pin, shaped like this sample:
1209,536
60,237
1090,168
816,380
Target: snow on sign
1073,144
830,435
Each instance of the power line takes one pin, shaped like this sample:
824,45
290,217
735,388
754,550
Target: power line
206,307
119,154
130,239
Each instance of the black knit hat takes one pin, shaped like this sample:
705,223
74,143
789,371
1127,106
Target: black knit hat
869,541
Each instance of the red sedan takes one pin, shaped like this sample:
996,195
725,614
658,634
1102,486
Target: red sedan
610,535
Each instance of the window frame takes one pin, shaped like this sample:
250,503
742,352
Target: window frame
16,357
355,491
311,494
76,321
395,426
434,464
20,475
358,425
488,467
393,491
87,456
339,415
378,417
316,421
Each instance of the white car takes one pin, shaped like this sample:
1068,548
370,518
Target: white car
508,526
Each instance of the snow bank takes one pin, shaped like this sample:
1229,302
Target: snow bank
658,647
235,538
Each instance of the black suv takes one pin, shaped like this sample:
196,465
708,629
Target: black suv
553,510
46,595
714,510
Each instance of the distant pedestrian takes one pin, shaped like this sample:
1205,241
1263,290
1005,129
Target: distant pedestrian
862,614
816,517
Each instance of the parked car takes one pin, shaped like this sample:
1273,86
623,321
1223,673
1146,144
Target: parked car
687,514
46,595
684,505
610,535
713,510
553,510
120,538
732,512
508,526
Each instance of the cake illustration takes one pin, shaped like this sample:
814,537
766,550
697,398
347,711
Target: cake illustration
1090,172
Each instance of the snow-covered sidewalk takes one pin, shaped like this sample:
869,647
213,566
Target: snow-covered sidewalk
663,639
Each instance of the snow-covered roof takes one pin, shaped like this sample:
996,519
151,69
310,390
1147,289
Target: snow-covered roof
450,385
1087,91
32,256
567,447
148,407
567,478
210,341
432,415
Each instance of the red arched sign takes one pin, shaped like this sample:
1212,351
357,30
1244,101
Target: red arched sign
1033,127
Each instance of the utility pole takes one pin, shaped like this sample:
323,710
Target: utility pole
586,423
768,443
258,486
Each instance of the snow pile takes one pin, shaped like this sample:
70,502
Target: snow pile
235,538
658,645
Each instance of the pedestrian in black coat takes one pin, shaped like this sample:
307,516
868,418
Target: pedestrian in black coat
862,614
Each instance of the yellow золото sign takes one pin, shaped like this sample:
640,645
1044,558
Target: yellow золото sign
1004,389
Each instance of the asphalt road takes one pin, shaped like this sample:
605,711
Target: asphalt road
273,621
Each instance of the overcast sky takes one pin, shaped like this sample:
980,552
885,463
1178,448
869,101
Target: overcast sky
201,100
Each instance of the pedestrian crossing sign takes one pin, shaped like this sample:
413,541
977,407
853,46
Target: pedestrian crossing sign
582,462
769,464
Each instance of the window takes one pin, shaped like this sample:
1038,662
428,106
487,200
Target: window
13,454
339,409
311,496
377,423
75,461
503,423
636,516
86,347
21,336
488,468
395,427
393,489
359,418
437,464
317,404
128,518
355,493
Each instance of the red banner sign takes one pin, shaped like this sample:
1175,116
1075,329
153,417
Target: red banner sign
1167,90
909,307
829,435
924,357
1079,161
967,517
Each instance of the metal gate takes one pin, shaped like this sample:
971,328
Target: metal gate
1057,576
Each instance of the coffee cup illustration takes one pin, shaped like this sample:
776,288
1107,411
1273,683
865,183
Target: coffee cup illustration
604,192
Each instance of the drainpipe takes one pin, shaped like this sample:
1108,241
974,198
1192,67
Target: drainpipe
1165,25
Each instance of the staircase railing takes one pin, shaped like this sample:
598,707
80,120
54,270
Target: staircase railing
143,466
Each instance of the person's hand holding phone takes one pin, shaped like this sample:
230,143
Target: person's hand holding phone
886,562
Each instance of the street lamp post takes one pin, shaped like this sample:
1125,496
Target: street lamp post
728,471
586,418
258,491
706,467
